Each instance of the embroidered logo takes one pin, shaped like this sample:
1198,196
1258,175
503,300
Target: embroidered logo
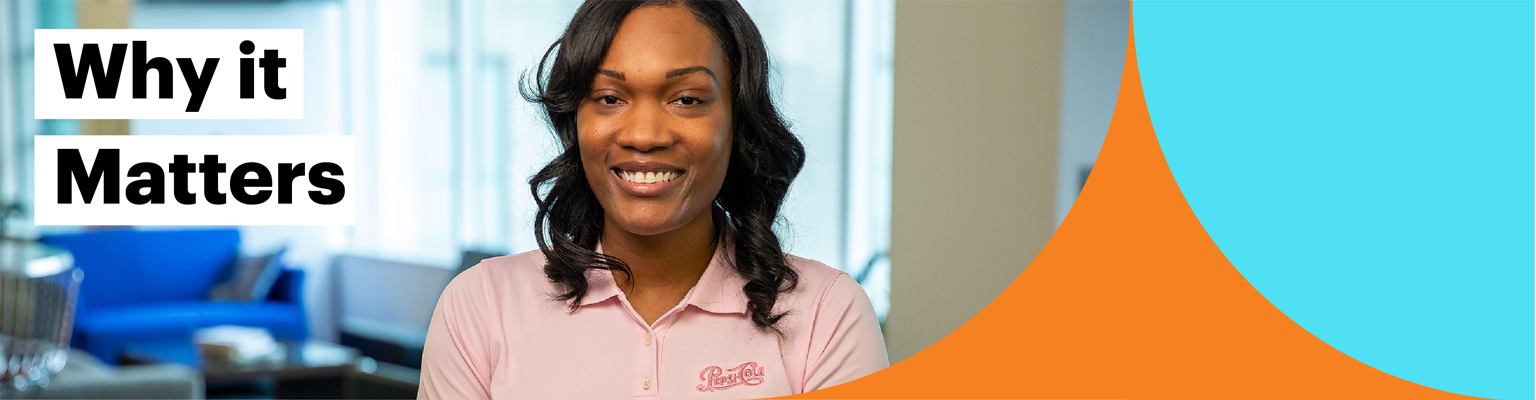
716,378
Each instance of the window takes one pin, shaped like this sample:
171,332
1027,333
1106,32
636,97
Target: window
17,127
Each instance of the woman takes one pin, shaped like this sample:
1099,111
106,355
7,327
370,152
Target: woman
659,274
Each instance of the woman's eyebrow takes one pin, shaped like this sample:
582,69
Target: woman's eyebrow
670,74
611,73
688,70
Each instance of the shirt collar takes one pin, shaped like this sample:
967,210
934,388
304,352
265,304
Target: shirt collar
718,290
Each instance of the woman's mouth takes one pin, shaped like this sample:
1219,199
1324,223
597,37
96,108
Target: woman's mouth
646,183
647,177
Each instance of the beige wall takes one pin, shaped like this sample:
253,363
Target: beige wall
973,196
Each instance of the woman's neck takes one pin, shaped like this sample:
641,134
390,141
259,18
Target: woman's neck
662,266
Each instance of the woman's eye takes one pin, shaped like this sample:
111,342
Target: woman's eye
688,101
608,100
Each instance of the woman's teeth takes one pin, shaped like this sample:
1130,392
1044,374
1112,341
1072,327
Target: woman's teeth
648,177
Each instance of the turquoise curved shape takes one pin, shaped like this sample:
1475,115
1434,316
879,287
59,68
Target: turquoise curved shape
1367,166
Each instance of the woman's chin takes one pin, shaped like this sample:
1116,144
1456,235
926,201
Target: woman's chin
650,217
643,223
647,229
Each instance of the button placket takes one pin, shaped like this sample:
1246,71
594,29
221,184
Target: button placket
648,383
654,342
645,382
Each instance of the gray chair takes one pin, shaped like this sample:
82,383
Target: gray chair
86,377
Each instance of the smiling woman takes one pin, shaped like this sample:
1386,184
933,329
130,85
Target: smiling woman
659,273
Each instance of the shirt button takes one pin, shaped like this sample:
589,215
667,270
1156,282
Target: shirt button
647,340
645,384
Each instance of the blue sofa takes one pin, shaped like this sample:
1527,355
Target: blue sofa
151,286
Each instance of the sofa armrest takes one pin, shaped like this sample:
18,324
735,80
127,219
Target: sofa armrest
289,287
85,377
160,381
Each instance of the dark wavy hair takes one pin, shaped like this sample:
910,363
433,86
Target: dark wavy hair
765,156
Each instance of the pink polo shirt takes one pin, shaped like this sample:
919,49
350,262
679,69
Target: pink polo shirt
496,333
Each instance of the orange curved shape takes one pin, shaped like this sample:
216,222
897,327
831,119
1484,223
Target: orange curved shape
1131,299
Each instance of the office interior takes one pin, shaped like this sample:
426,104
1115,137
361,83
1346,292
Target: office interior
946,142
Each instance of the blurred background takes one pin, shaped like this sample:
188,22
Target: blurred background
946,142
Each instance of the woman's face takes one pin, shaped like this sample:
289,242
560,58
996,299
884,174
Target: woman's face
655,132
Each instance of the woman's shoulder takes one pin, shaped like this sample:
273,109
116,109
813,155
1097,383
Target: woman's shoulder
521,263
813,272
820,283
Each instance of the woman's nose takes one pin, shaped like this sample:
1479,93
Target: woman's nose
647,131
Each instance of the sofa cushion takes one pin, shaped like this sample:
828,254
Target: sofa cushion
105,331
251,278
